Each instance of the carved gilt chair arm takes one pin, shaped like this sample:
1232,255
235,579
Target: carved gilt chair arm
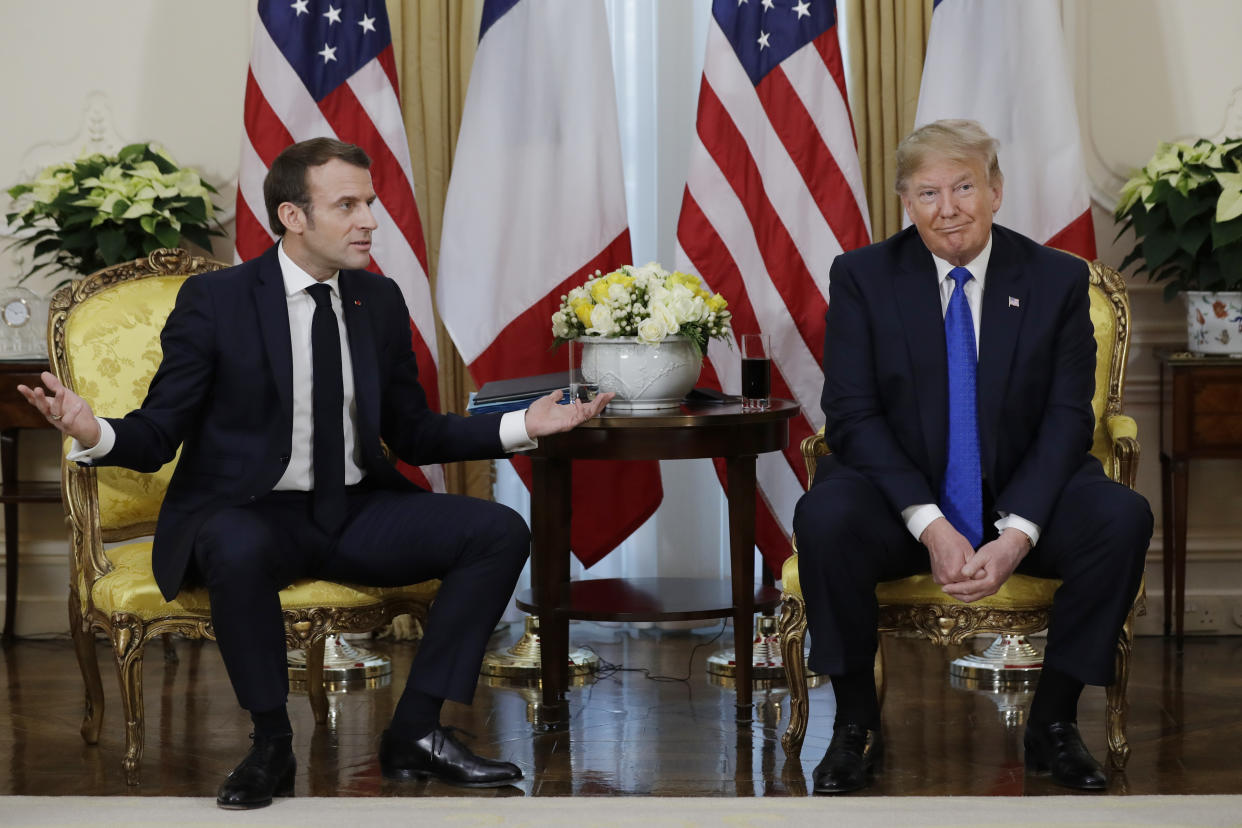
1124,433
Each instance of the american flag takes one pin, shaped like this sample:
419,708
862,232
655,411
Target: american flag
1004,65
536,204
774,194
325,68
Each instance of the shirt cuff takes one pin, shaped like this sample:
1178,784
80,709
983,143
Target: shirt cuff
919,516
513,436
1021,524
107,439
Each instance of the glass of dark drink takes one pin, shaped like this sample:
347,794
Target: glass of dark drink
756,372
583,374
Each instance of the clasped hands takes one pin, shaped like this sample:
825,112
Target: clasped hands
968,574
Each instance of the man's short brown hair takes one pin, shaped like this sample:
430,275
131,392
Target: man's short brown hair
286,180
956,139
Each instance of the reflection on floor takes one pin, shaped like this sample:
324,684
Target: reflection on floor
629,734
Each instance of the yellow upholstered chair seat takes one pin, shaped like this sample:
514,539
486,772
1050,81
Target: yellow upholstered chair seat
1019,592
104,343
1021,606
131,588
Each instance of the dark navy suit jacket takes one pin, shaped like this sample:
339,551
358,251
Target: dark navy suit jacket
224,394
885,369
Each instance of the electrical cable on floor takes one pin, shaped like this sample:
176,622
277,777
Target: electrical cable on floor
607,669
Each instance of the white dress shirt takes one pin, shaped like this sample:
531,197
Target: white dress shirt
919,516
300,473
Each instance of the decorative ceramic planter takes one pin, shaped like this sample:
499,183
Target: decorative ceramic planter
643,377
1214,322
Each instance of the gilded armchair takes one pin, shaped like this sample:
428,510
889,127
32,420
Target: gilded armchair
1021,607
104,344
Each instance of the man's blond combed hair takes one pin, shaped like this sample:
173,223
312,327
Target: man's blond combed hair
956,139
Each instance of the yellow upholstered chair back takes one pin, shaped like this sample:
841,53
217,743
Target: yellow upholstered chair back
104,344
1110,315
111,351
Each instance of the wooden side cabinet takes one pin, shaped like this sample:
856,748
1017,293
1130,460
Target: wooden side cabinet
16,414
1200,417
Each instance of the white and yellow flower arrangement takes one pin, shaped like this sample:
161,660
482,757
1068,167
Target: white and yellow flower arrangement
648,303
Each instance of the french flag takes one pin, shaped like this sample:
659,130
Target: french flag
1004,65
536,204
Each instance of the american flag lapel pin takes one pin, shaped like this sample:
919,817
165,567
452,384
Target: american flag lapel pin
358,302
1013,302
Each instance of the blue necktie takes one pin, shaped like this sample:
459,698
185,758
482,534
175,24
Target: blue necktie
961,494
327,395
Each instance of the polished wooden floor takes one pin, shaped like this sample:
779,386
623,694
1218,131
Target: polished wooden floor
630,735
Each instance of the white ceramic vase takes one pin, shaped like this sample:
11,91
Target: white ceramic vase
644,377
1214,322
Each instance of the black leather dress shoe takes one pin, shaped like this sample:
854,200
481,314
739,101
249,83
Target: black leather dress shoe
853,755
1057,748
267,771
441,756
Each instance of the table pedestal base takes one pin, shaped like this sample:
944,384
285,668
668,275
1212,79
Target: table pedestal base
767,666
345,667
521,662
1010,660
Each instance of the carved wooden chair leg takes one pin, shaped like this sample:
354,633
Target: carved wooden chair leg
793,635
315,689
878,669
88,664
1118,705
128,644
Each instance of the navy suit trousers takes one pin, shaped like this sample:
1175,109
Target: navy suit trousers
247,554
850,538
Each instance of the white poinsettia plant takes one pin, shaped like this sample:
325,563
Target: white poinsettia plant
99,209
648,303
1185,208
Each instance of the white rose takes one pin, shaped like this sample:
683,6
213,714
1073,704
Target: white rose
651,331
618,295
694,309
661,313
602,322
651,271
560,327
682,302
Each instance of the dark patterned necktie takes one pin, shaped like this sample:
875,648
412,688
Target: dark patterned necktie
961,494
326,406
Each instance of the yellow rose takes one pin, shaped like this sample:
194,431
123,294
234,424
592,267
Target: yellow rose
582,310
618,277
599,291
717,303
688,279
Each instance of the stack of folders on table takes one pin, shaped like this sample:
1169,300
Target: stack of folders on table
517,394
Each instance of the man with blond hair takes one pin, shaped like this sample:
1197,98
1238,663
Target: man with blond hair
959,367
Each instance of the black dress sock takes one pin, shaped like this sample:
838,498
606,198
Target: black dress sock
857,702
1056,697
417,714
271,723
